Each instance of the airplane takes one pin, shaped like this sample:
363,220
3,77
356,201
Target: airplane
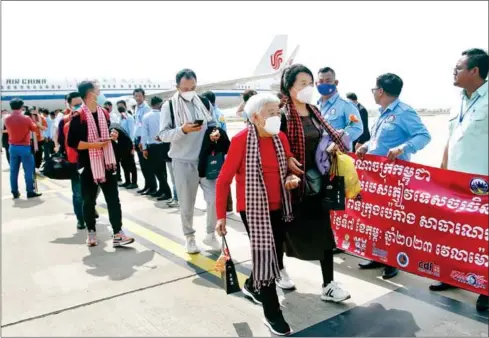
50,93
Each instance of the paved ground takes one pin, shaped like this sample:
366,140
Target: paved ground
53,285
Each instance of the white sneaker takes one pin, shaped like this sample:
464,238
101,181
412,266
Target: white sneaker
284,282
333,293
191,246
211,240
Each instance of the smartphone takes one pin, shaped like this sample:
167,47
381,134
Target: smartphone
199,122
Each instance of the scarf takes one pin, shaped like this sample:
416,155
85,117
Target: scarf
295,134
183,115
264,256
100,159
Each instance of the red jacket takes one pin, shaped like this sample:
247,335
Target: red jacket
235,165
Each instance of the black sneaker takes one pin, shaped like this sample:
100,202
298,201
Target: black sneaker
15,195
132,186
33,194
80,225
124,185
482,303
278,325
254,296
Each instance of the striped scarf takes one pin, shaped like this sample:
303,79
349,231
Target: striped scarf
295,134
264,256
100,159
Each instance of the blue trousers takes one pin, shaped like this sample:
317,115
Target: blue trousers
77,198
18,155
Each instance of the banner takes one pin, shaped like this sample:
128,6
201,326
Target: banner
423,220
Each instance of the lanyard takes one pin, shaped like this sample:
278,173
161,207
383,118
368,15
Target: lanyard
462,115
333,103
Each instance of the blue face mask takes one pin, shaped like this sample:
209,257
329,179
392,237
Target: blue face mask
326,89
77,106
101,99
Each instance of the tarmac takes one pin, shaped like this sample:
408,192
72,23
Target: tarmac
54,285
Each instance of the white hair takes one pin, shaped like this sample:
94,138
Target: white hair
256,103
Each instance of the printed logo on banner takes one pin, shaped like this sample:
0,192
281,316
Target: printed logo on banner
382,254
346,242
479,187
360,245
476,281
429,268
402,259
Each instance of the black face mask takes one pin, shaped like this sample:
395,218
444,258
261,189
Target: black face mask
121,109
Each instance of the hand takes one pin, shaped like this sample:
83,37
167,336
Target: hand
361,152
333,148
215,135
140,146
357,146
221,227
145,154
101,144
395,152
191,128
132,151
292,182
294,166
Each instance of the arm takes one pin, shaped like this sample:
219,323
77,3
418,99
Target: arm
61,136
229,169
354,129
130,124
145,133
77,129
420,137
167,132
444,161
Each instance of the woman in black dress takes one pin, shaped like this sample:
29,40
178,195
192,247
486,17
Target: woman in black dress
310,236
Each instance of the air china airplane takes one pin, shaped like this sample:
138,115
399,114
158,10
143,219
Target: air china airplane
50,94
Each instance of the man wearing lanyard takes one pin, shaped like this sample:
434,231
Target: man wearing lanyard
397,133
141,109
340,113
467,146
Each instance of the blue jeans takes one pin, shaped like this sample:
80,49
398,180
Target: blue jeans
77,198
21,154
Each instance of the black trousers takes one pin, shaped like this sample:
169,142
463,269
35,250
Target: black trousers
110,190
6,146
271,304
157,163
38,153
149,177
129,166
48,149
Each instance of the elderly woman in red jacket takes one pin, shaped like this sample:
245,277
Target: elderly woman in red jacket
258,158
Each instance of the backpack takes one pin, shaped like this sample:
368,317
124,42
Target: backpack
166,145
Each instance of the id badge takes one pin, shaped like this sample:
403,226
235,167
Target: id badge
373,144
458,133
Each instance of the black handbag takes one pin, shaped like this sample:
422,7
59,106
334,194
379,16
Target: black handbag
58,168
230,277
314,183
334,190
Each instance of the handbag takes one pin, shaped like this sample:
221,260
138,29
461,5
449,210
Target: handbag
334,189
214,165
229,275
58,168
314,183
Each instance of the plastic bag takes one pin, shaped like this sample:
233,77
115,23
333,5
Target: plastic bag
346,168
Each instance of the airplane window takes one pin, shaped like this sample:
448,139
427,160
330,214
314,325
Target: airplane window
21,87
28,87
47,87
158,86
59,87
15,87
130,86
122,86
103,86
2,87
8,87
35,87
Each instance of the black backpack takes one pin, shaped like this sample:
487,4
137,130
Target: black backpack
166,145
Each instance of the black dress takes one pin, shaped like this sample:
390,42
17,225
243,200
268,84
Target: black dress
310,234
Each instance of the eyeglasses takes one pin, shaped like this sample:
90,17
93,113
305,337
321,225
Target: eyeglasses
374,89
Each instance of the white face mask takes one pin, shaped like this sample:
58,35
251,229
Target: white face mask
272,125
306,94
188,96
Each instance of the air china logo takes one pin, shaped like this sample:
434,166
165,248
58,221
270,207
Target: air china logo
276,59
479,186
476,281
429,268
